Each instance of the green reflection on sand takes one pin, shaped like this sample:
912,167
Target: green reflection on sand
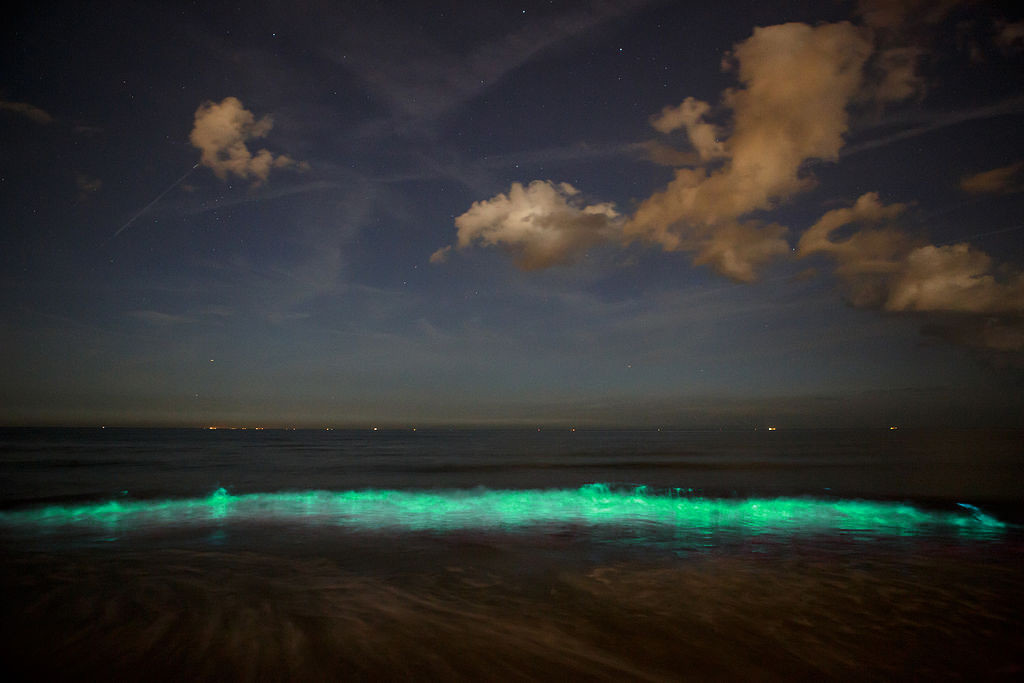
590,505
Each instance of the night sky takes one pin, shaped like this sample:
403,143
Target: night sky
724,214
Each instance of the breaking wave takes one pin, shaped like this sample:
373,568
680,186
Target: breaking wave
593,505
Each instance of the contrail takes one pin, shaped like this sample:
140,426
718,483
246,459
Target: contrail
158,198
982,234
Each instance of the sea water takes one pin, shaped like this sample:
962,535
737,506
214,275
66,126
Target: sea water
511,554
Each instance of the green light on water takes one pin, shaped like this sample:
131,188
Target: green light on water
589,506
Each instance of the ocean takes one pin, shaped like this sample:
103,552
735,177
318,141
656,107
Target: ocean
482,554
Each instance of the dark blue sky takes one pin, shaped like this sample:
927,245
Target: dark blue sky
631,213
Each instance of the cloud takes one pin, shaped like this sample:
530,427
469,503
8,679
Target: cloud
27,110
866,251
690,115
866,258
1010,37
954,278
737,250
750,153
903,31
666,155
221,132
1003,180
897,77
882,267
796,82
441,255
1002,335
543,224
87,185
895,15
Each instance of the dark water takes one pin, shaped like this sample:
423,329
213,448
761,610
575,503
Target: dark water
305,555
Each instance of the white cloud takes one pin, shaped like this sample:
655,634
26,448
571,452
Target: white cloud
543,224
221,132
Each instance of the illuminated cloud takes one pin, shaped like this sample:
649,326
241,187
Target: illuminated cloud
867,258
750,153
954,278
797,81
441,255
1003,180
897,74
869,250
221,132
27,110
903,32
543,224
884,268
703,136
736,250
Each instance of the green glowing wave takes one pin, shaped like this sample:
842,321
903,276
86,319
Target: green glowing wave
591,505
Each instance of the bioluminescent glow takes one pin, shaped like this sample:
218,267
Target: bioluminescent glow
590,505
